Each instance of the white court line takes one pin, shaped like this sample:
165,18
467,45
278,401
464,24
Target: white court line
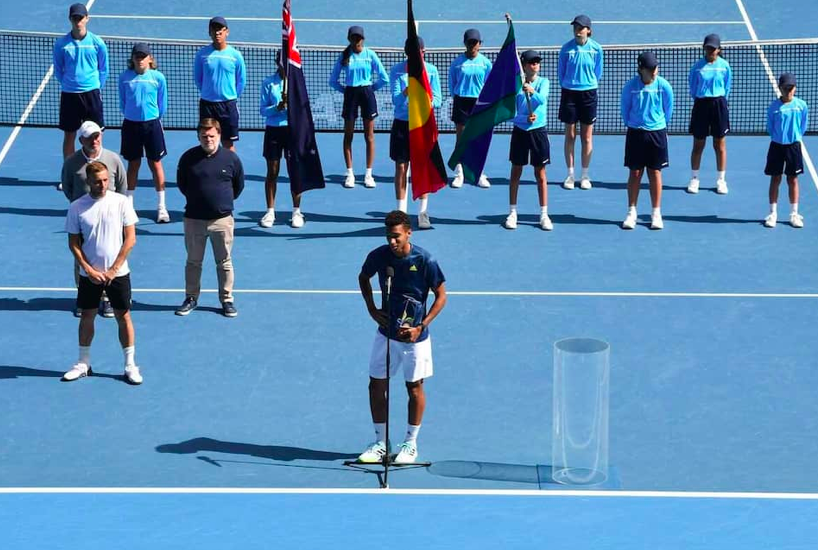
774,83
427,492
457,293
424,21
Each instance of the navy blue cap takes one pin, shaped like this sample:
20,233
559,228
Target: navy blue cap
712,41
218,20
786,79
141,47
355,29
472,34
420,43
530,56
77,9
582,20
647,60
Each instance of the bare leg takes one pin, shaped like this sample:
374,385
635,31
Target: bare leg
158,173
542,184
369,136
417,402
126,331
568,147
696,153
86,329
400,180
634,181
133,173
586,135
792,183
775,181
514,183
68,139
720,147
349,130
655,180
377,399
270,182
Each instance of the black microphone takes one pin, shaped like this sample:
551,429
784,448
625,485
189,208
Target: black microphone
390,272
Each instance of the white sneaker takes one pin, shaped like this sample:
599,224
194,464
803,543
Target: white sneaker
267,220
568,183
457,182
511,221
585,183
545,223
408,453
771,220
80,370
656,222
374,454
132,375
630,221
721,187
298,220
483,182
59,186
349,181
693,186
162,215
796,220
369,182
423,220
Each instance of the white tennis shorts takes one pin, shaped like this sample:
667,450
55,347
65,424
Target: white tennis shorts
414,358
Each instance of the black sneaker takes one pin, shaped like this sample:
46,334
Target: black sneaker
229,310
187,306
106,309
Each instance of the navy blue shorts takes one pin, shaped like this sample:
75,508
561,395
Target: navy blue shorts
275,141
780,155
118,292
529,147
399,141
646,149
76,108
359,98
226,112
139,136
461,108
709,117
578,106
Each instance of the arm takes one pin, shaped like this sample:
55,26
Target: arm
378,315
562,63
241,73
728,81
599,65
181,175
667,103
452,79
434,82
412,334
120,175
162,94
123,88
128,242
198,71
396,89
691,81
238,178
102,62
75,246
333,77
267,102
59,62
625,104
377,68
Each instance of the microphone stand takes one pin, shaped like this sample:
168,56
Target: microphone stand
390,272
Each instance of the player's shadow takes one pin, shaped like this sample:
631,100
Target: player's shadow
269,452
283,218
9,372
534,220
69,304
711,218
39,212
16,182
146,216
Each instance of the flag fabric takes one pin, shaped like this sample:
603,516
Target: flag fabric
303,160
497,103
425,158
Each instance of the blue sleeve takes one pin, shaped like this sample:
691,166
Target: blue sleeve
434,275
241,73
599,64
238,177
57,58
667,101
728,81
770,118
434,82
162,94
265,100
691,80
625,103
396,89
198,73
371,264
336,72
540,95
377,68
122,90
102,62
804,117
452,81
561,64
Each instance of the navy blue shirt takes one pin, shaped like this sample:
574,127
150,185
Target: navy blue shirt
209,183
415,275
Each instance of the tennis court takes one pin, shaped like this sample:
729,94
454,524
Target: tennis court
238,436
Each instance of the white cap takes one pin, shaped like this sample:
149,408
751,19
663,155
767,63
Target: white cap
89,128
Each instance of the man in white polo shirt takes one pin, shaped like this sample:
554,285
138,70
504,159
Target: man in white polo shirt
101,229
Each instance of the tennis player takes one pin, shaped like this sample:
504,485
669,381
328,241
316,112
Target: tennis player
220,75
399,135
786,124
529,139
363,75
81,67
467,75
101,229
710,80
647,105
143,99
273,107
579,70
416,272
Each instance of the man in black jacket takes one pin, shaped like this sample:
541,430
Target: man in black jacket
210,177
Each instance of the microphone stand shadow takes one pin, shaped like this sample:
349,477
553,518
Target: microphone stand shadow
540,475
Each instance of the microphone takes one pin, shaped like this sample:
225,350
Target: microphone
390,272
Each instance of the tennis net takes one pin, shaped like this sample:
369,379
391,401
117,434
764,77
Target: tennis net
30,95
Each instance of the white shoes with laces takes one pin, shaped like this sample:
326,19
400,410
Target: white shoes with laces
132,375
721,187
423,220
408,453
568,183
693,186
80,370
298,220
349,181
267,220
511,221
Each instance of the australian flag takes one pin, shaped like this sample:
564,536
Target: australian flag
303,160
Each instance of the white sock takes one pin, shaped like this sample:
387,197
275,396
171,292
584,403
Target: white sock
85,355
794,208
631,210
512,208
720,175
296,210
271,211
130,353
657,212
773,208
380,431
368,173
571,172
129,193
411,433
458,169
694,174
585,173
350,172
161,195
424,204
402,203
544,210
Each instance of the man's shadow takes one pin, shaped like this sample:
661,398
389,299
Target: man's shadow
9,372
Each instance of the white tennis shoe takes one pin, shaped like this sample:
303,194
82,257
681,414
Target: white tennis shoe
693,186
375,453
511,221
721,187
408,453
349,181
630,221
796,220
771,220
423,220
267,220
80,370
568,183
132,375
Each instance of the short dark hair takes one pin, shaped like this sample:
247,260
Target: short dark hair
94,168
398,217
207,124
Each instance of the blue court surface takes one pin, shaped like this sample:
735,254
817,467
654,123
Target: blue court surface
238,436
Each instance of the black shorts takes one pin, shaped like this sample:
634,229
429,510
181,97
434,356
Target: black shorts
646,149
226,112
76,108
275,141
578,106
529,147
399,141
359,98
118,292
461,108
779,155
139,136
709,117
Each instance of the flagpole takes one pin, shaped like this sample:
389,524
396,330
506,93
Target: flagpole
522,74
